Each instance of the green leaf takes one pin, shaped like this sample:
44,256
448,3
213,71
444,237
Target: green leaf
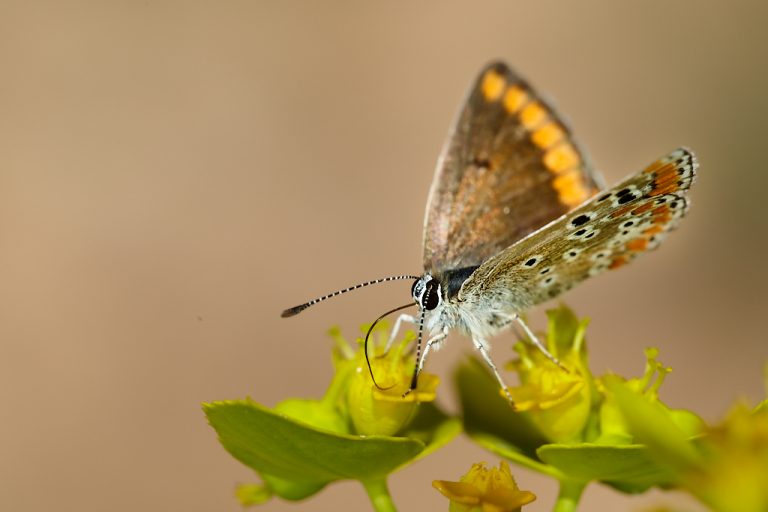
315,413
630,468
652,424
433,428
509,451
276,445
486,411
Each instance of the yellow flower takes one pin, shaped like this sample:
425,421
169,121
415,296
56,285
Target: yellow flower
483,490
556,399
385,411
734,476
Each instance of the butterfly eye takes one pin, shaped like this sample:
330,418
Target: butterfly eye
431,297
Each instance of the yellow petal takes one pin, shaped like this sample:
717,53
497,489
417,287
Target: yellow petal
460,492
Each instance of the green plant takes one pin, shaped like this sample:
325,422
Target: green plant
567,424
355,432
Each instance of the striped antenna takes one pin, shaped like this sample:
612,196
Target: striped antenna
416,371
298,309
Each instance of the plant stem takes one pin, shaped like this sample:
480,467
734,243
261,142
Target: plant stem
379,494
569,496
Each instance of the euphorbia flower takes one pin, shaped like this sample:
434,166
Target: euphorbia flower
557,399
734,472
484,490
384,410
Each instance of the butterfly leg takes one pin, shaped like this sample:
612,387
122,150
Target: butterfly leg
518,335
393,335
535,340
499,322
420,362
482,347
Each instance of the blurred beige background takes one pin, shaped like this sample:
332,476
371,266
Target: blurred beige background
174,174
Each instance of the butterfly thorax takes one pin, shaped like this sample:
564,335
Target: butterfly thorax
438,296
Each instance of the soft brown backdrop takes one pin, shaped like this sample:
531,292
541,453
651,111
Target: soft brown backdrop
173,174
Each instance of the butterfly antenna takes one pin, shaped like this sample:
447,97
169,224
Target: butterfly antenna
415,379
365,346
301,307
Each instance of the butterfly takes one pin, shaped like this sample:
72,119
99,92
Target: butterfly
516,216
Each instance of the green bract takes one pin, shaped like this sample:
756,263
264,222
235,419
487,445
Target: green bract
302,445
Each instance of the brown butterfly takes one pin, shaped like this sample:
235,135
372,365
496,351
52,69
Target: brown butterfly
514,218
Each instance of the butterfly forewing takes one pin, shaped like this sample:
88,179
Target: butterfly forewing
510,166
604,233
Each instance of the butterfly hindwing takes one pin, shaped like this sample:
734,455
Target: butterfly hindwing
605,233
510,166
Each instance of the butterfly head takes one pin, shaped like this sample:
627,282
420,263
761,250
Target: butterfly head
427,292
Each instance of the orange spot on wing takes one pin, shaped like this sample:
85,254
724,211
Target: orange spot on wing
575,196
548,135
653,230
666,169
621,211
493,85
533,115
642,209
567,180
561,158
637,244
666,177
655,166
661,210
570,188
617,262
514,99
666,189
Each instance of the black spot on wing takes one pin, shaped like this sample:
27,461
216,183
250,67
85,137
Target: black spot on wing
580,220
624,199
